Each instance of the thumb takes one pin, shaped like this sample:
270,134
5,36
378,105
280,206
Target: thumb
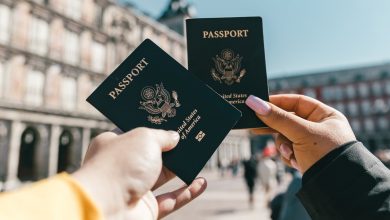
166,139
286,123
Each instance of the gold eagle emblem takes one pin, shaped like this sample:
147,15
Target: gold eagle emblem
228,67
157,101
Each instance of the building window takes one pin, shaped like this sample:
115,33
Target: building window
338,93
380,106
73,9
57,39
387,87
2,77
328,93
366,107
72,48
39,36
350,91
5,31
98,57
369,124
377,89
353,109
356,125
383,123
364,91
310,93
98,15
34,88
68,93
341,107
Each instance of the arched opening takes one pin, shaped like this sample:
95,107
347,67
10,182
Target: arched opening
28,145
65,152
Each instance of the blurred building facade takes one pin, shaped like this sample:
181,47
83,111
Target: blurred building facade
53,53
362,94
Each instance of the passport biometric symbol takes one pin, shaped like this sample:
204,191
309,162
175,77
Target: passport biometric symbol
157,101
228,67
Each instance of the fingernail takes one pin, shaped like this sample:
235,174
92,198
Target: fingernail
175,135
258,105
198,183
286,151
294,164
117,131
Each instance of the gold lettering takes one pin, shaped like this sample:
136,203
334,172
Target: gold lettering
239,33
205,34
125,82
121,85
112,94
243,33
135,72
246,33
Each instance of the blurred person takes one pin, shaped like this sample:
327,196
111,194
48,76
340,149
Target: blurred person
250,174
267,170
234,166
280,170
115,182
223,166
341,178
291,208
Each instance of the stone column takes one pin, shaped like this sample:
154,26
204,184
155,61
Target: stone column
55,132
4,148
86,136
13,157
76,150
42,151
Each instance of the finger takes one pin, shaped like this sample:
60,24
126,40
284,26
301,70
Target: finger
303,106
260,131
105,136
285,161
284,122
165,176
170,202
117,131
98,142
295,164
284,146
166,139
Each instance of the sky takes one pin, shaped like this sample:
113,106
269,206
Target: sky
304,36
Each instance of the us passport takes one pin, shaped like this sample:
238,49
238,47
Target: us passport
150,89
228,55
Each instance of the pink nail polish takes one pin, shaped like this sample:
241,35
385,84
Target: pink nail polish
286,151
295,164
258,105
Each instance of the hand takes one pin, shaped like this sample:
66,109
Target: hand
307,128
120,170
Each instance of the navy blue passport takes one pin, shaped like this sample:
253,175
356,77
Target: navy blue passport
228,55
150,89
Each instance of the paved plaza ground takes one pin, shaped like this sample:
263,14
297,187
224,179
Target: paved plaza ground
225,199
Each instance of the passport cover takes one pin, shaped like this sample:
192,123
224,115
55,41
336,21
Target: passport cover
150,89
228,55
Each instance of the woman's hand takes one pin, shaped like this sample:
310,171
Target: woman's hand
307,128
119,172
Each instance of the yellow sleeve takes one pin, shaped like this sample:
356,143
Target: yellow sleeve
57,198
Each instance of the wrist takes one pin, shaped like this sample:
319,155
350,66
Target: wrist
105,192
322,163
